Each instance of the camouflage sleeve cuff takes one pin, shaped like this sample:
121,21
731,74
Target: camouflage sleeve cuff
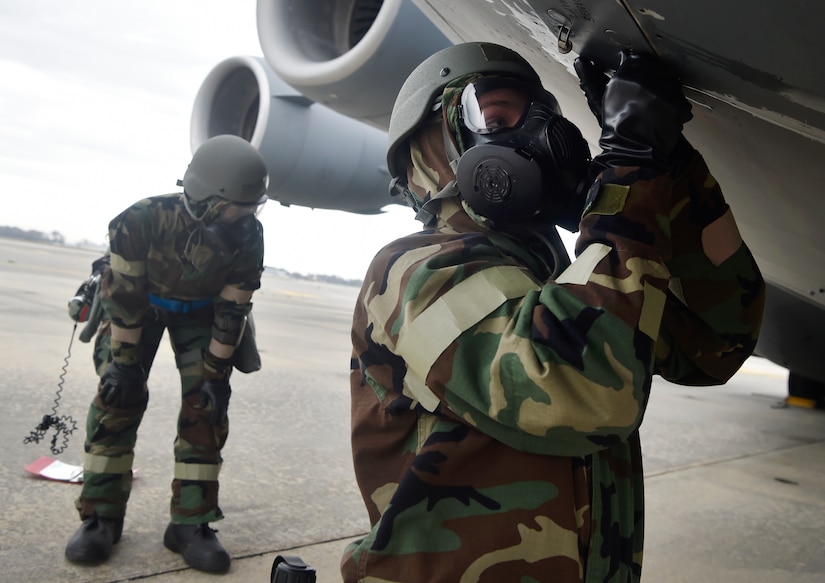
125,352
215,368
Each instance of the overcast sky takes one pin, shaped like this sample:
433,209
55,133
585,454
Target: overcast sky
95,104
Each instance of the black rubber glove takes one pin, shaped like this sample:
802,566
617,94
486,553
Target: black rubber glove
216,394
680,158
215,391
642,114
593,82
123,385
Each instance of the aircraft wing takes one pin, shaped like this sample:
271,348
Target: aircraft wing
751,71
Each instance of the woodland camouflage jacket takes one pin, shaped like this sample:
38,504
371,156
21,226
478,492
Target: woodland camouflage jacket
495,411
158,248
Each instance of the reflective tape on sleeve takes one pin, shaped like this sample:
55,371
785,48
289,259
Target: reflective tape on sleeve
418,389
582,268
101,464
426,337
134,268
652,310
197,472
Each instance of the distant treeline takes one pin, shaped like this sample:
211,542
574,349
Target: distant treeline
57,238
314,277
31,235
328,279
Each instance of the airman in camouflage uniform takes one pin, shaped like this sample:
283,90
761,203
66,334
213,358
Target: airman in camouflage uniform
497,390
188,264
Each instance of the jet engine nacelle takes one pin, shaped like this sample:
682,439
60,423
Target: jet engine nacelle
316,157
350,55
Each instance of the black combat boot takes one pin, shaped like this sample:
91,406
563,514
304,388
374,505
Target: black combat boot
199,546
94,539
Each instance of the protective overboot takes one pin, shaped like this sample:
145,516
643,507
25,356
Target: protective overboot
199,546
94,539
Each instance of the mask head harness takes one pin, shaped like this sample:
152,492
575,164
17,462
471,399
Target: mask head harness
521,158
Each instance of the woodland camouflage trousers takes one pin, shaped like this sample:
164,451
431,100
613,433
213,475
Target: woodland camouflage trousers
111,433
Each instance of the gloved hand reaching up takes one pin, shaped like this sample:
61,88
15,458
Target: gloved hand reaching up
641,110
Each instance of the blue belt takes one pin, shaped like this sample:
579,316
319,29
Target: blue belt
178,306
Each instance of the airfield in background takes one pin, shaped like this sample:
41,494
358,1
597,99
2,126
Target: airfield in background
735,484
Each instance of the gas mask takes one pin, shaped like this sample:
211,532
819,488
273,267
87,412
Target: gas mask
235,228
523,161
225,227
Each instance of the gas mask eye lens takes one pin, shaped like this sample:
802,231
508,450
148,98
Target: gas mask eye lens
233,212
493,104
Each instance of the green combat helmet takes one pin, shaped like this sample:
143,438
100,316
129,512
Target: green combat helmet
423,88
534,169
226,167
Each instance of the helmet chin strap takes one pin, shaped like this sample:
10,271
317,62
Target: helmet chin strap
193,242
427,213
210,205
188,207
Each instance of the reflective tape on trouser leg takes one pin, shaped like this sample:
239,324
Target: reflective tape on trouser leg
101,464
197,472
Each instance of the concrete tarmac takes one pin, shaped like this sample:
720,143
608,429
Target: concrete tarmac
735,484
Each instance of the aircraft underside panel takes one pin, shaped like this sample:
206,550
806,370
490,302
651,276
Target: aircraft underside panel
793,334
759,56
750,69
753,73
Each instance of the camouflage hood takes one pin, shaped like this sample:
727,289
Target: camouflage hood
430,175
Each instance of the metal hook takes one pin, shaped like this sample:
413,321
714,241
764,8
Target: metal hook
563,43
